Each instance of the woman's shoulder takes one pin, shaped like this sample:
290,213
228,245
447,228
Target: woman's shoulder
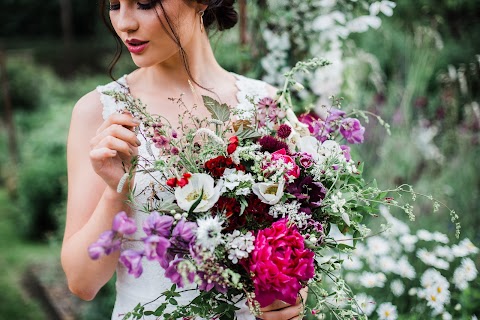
97,105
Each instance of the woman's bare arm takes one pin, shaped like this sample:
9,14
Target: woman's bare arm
95,149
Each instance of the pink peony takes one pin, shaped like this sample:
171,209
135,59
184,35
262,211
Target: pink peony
280,264
282,155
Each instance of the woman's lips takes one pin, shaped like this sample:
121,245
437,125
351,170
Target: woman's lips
136,46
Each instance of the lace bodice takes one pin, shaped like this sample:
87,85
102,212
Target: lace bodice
152,282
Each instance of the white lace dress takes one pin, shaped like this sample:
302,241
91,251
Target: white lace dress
152,282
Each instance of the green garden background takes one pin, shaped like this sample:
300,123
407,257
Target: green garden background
54,52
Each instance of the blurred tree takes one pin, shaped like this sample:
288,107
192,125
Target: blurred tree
32,18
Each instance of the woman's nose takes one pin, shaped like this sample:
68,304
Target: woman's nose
127,21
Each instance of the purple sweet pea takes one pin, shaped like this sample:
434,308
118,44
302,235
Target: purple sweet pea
156,248
156,224
175,275
346,152
123,224
333,119
106,244
132,260
316,126
352,130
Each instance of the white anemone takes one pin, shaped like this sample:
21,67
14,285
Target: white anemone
269,193
190,193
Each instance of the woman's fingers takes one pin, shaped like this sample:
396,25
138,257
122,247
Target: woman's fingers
102,153
123,119
287,313
117,144
276,305
117,131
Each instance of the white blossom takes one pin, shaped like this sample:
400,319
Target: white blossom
209,232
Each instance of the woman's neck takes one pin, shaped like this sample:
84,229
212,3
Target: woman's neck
172,73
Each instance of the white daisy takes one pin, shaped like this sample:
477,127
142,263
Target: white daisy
446,316
372,280
397,287
387,311
469,269
408,241
364,304
424,235
405,269
209,232
378,246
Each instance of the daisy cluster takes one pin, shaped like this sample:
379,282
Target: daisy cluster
419,269
298,28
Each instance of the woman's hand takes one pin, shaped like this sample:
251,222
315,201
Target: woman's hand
280,310
115,143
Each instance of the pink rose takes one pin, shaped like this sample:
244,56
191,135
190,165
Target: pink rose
280,264
282,155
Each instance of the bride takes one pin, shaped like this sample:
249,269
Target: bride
168,41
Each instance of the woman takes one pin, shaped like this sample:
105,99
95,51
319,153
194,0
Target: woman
168,41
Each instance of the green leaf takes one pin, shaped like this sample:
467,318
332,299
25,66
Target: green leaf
160,309
219,111
196,203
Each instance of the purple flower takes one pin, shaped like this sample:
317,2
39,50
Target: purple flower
316,126
156,248
156,224
161,141
346,152
176,276
305,159
132,260
333,119
308,193
106,244
352,130
184,231
123,224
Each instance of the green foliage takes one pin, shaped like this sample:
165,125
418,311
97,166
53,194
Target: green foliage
29,84
42,175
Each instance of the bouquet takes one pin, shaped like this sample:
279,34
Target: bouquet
254,196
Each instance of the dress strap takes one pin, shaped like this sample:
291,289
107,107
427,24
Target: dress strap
110,105
250,91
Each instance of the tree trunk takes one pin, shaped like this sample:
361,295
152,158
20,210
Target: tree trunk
7,102
67,33
243,22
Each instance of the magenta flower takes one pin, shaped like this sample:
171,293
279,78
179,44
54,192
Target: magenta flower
346,152
105,245
132,260
161,141
176,276
316,126
157,224
352,130
280,264
282,155
305,159
156,248
123,224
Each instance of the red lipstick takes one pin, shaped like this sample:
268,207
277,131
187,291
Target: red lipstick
136,46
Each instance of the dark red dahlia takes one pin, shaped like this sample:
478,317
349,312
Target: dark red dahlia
284,131
217,166
271,144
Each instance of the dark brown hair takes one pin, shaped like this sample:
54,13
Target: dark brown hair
219,14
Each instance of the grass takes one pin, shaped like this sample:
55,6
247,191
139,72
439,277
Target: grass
16,256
